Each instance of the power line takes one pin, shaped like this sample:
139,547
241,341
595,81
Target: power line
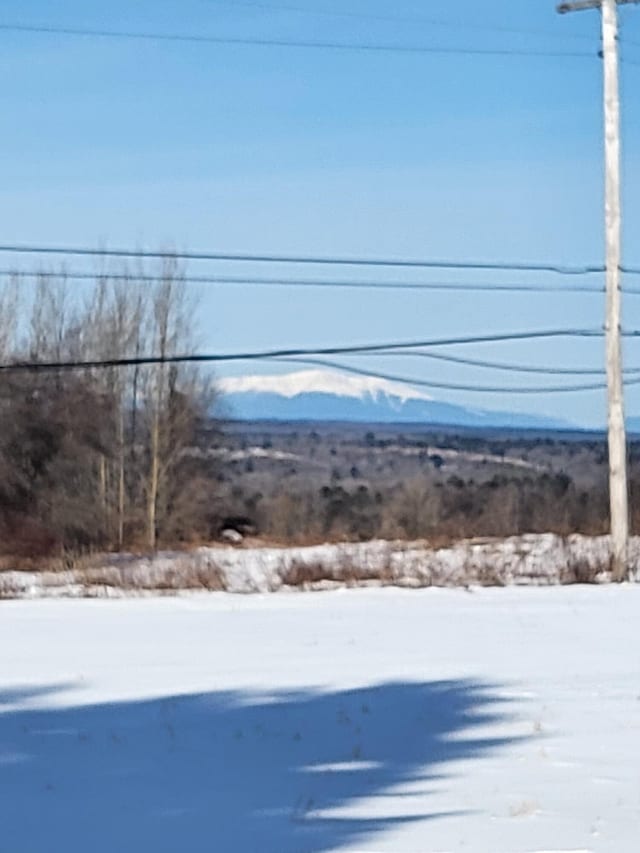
242,257
242,41
366,284
449,386
202,358
316,357
452,386
323,362
497,365
402,19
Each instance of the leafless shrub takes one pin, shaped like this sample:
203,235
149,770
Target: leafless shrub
486,574
175,576
344,569
583,571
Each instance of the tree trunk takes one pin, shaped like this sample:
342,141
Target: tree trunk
154,472
121,484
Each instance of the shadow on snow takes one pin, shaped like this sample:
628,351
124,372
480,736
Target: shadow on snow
231,771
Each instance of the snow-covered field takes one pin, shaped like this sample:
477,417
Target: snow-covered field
493,721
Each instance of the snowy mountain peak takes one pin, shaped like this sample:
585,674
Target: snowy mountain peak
337,396
332,382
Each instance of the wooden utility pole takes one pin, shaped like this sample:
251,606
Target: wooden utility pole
618,491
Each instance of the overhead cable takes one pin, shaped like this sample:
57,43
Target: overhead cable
497,365
250,41
400,19
452,386
202,358
311,260
366,284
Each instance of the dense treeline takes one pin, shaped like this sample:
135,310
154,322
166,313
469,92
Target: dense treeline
417,509
302,483
96,458
441,511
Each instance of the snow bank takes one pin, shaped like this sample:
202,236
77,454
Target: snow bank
544,559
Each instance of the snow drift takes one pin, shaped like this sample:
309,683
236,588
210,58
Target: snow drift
544,559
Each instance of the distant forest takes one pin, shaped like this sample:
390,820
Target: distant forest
311,483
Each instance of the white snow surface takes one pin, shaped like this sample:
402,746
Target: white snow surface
320,382
379,720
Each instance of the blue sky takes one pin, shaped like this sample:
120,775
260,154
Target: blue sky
262,149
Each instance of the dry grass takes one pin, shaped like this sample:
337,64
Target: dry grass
345,572
584,572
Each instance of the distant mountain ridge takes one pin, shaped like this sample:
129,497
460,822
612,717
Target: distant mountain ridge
326,395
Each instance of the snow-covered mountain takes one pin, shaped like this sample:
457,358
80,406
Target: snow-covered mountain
329,395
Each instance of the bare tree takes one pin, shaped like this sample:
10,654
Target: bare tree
9,314
98,456
174,394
